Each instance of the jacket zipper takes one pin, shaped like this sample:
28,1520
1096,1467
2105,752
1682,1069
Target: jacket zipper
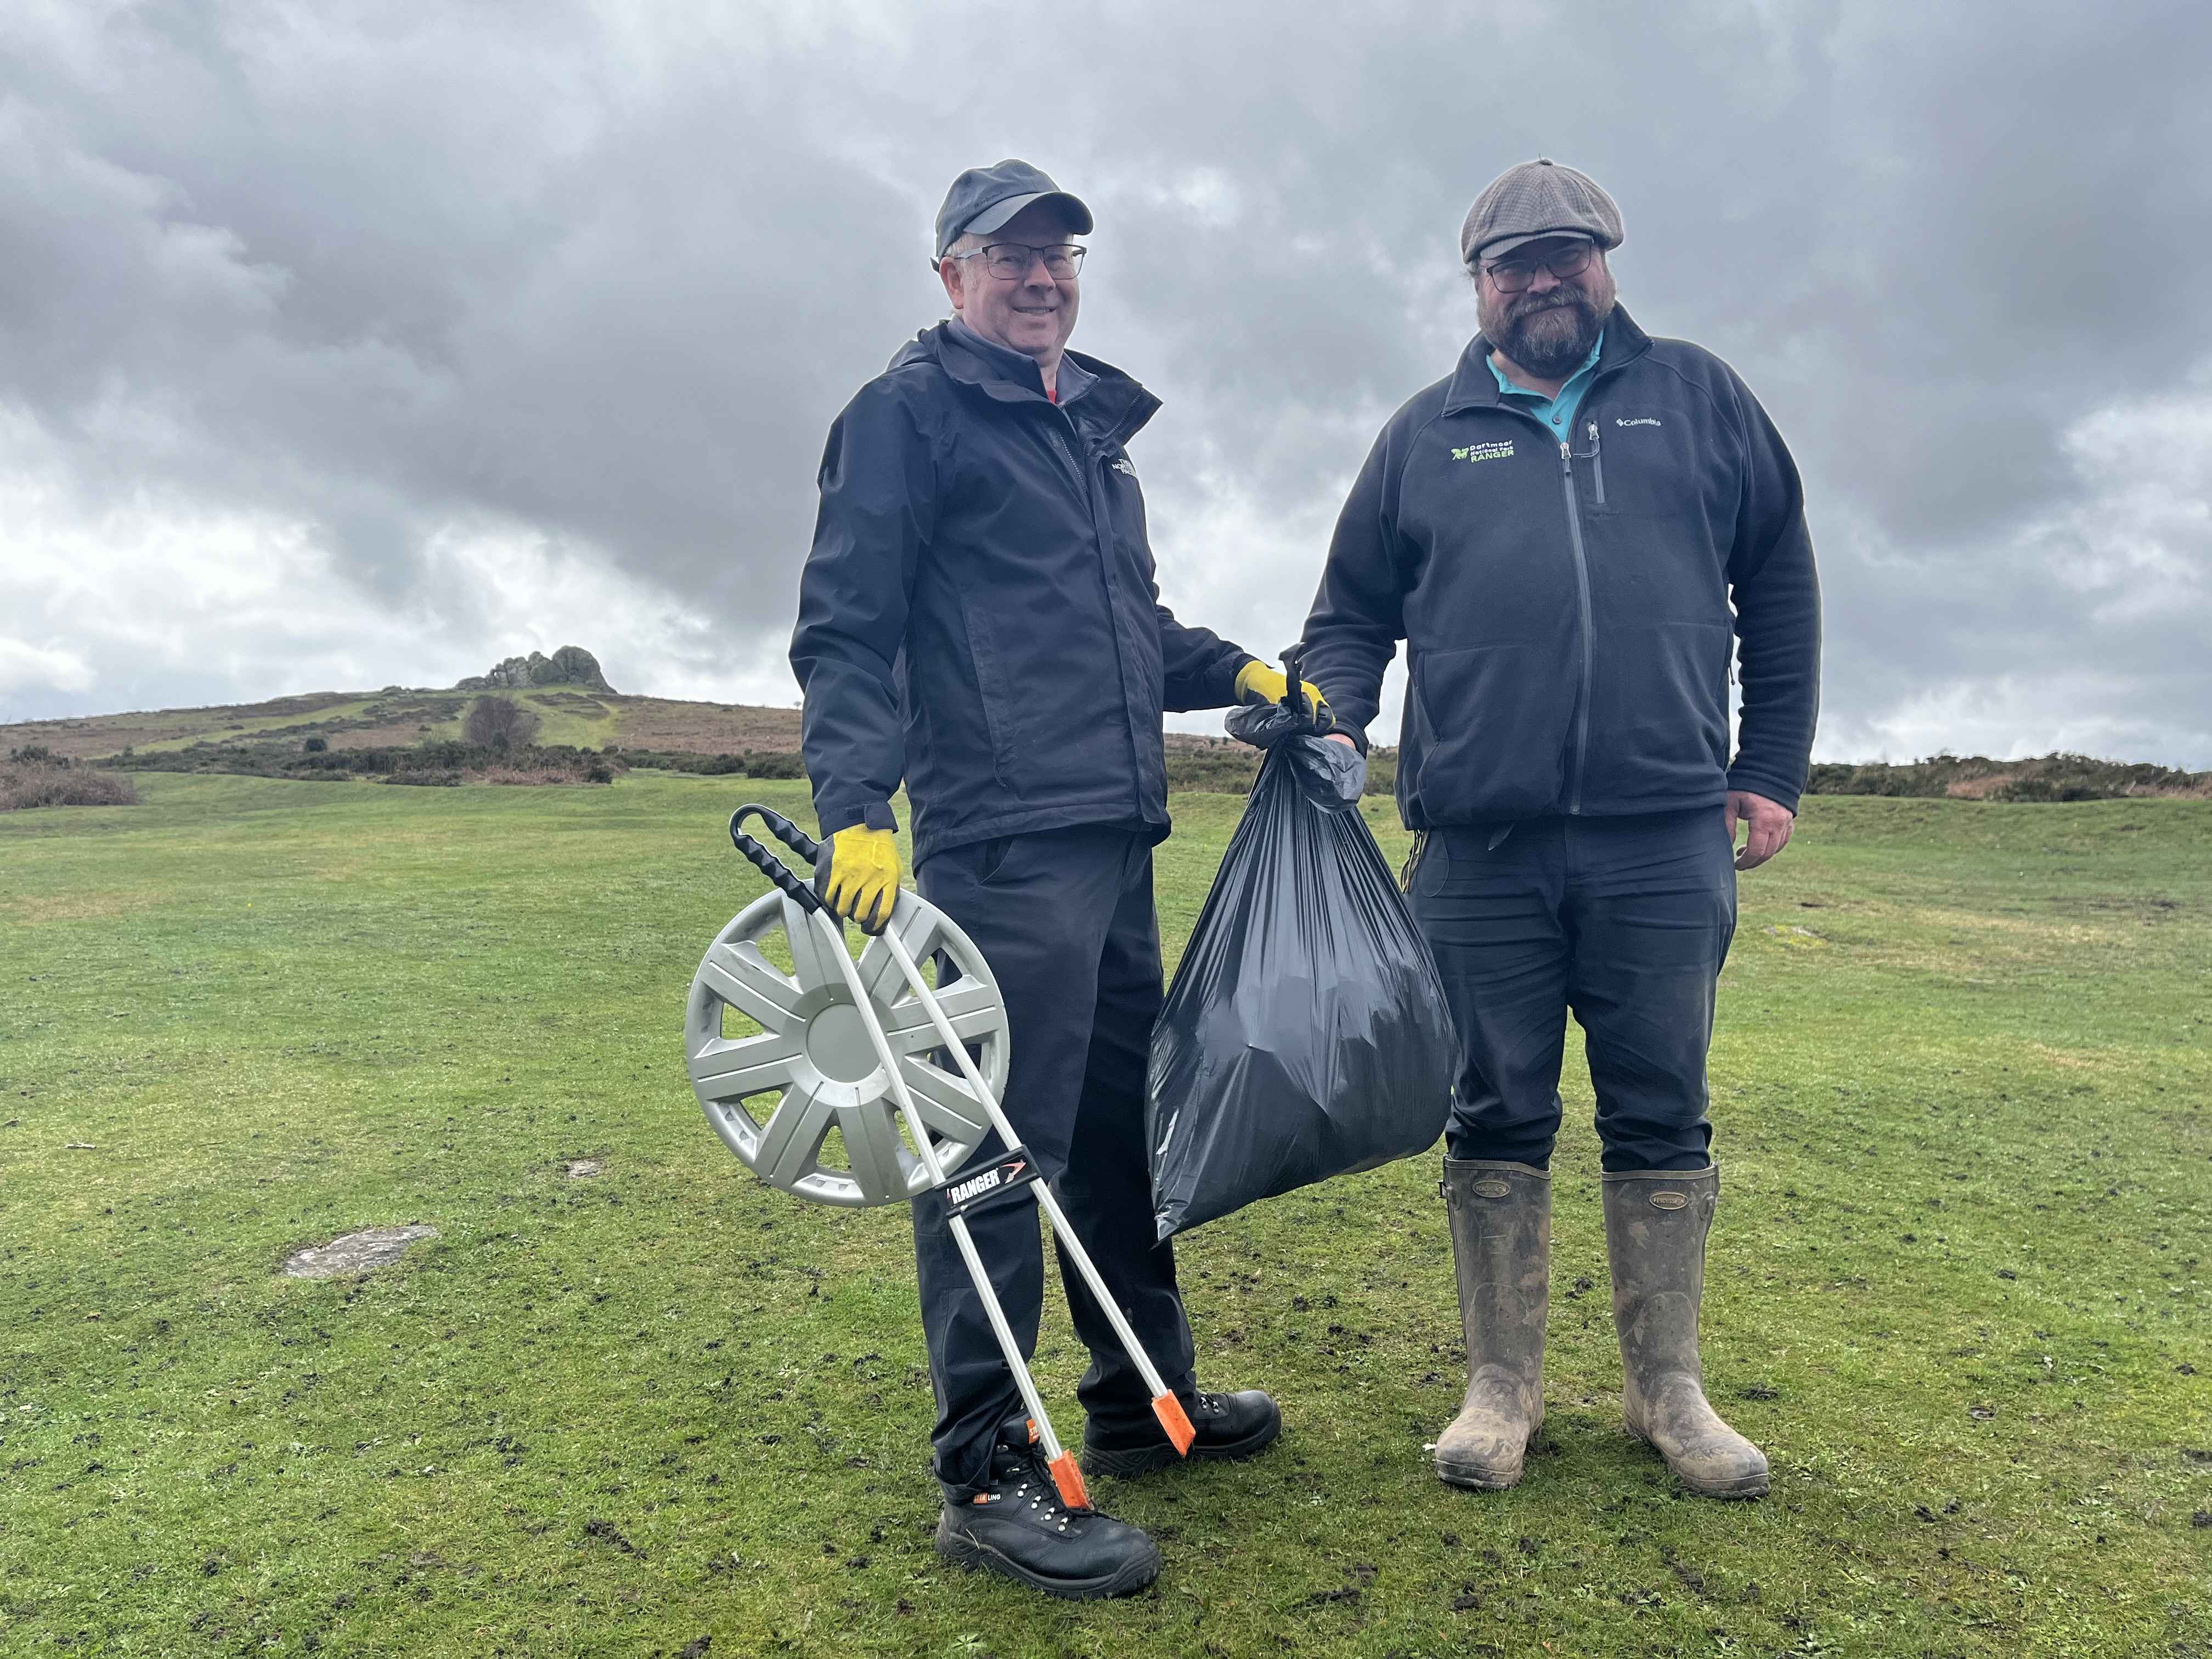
1597,467
1582,592
1067,442
1581,584
1068,439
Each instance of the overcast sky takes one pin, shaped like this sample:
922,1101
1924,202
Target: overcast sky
349,345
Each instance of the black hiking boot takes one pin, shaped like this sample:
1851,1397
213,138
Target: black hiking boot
1019,1527
1228,1425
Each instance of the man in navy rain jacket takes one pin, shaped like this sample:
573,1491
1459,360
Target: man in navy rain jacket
1571,532
978,619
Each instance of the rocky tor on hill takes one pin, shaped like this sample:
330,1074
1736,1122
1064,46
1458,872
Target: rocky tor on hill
570,666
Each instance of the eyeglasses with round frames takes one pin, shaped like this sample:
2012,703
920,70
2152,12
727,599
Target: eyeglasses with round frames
1010,261
1513,275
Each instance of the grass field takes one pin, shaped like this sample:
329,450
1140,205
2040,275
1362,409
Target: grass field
1958,1284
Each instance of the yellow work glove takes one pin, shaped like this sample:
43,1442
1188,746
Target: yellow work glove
859,877
1257,682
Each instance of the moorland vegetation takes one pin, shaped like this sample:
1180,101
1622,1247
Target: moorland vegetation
34,775
552,725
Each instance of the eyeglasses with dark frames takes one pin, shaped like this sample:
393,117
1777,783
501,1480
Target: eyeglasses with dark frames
1010,261
1515,273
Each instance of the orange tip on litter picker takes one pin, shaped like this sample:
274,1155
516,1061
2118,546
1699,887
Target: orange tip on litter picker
1067,1475
1175,1421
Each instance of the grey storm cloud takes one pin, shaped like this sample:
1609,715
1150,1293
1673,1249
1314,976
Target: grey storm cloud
593,282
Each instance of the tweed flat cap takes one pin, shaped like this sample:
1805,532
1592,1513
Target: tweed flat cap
1537,198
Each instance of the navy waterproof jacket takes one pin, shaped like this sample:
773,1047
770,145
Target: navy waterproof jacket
978,616
1569,610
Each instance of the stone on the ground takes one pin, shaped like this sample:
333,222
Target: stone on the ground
362,1252
583,1169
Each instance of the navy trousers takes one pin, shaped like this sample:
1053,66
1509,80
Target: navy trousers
1065,918
1625,922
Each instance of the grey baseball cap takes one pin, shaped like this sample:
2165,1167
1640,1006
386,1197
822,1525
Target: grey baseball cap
1537,198
983,199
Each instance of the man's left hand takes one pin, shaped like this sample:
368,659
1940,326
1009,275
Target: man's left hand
1769,823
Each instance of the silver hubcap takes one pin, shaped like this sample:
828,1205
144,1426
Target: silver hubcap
796,1064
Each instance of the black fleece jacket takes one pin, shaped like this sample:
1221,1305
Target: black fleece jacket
1568,610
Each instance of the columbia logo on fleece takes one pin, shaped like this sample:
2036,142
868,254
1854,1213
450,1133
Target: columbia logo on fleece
1642,420
1500,450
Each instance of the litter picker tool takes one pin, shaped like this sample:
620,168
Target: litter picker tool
1165,1405
807,1047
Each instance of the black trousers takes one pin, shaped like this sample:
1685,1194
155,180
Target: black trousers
1065,920
1624,921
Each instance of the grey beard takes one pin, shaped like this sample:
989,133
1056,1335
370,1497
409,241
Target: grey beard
1551,355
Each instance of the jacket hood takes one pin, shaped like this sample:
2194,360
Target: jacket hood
1473,384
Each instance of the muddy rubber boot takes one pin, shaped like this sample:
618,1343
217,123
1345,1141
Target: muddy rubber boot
1501,1230
1656,1222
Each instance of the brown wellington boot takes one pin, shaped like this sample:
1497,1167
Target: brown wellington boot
1656,1222
1501,1228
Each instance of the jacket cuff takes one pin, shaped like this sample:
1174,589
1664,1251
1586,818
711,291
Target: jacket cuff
1353,716
1751,782
875,814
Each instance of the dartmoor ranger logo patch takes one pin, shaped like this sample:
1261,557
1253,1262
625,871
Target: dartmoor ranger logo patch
1122,464
1501,449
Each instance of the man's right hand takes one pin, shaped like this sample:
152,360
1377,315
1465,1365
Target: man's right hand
859,877
1768,823
1257,682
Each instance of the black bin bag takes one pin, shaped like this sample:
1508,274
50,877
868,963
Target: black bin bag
1306,1035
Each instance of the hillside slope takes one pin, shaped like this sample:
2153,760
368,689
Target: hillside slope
668,729
397,714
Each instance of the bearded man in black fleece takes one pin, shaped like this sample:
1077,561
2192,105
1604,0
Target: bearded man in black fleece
978,619
1570,532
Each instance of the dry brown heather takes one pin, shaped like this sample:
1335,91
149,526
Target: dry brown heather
377,737
705,728
527,775
1999,785
1197,741
2054,777
25,784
